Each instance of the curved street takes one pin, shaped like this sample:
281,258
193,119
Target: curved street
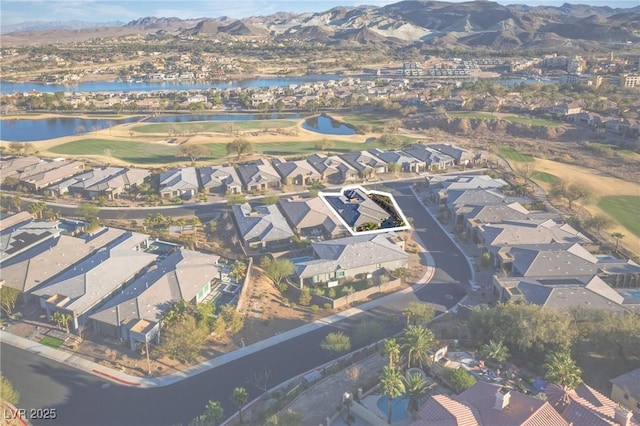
84,399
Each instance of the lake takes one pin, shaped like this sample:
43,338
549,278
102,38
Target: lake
24,130
327,126
150,86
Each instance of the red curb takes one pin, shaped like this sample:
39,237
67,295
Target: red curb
16,414
115,378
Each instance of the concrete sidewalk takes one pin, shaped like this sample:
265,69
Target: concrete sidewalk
144,382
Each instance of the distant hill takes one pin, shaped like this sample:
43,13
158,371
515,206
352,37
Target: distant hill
57,25
465,25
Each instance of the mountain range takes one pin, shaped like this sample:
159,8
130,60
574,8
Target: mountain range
467,25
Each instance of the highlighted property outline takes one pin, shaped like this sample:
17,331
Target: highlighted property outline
352,231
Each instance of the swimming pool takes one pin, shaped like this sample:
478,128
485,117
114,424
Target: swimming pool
634,293
399,409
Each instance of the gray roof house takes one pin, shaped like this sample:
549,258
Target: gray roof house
460,155
351,256
298,172
222,180
12,222
258,176
529,232
467,182
12,166
407,163
88,284
179,182
365,163
105,181
435,160
333,169
262,226
25,237
546,260
356,208
589,292
47,173
311,217
184,275
28,270
626,391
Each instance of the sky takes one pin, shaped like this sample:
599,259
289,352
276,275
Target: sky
18,11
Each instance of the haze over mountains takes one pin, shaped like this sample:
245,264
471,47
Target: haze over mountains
466,25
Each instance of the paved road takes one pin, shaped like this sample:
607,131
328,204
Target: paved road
81,400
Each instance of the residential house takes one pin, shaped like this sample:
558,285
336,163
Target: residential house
466,182
262,226
352,256
365,163
476,216
461,156
485,404
407,163
517,232
546,260
310,217
181,182
136,313
108,182
46,173
29,269
25,237
461,202
221,180
80,290
586,406
626,390
357,209
258,176
434,160
333,169
564,109
12,222
562,293
298,172
13,166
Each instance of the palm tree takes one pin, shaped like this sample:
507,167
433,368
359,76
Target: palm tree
415,343
392,350
392,386
239,397
238,270
562,370
495,351
618,236
214,412
37,208
62,319
415,386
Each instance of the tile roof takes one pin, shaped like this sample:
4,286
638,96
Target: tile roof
7,222
257,172
309,212
397,157
429,155
47,173
329,165
362,160
531,232
219,176
37,265
349,253
552,260
183,179
99,275
178,277
357,208
262,223
584,406
12,166
293,169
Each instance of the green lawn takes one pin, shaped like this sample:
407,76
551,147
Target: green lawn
511,118
623,208
129,151
51,341
214,126
149,153
513,155
545,177
372,119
